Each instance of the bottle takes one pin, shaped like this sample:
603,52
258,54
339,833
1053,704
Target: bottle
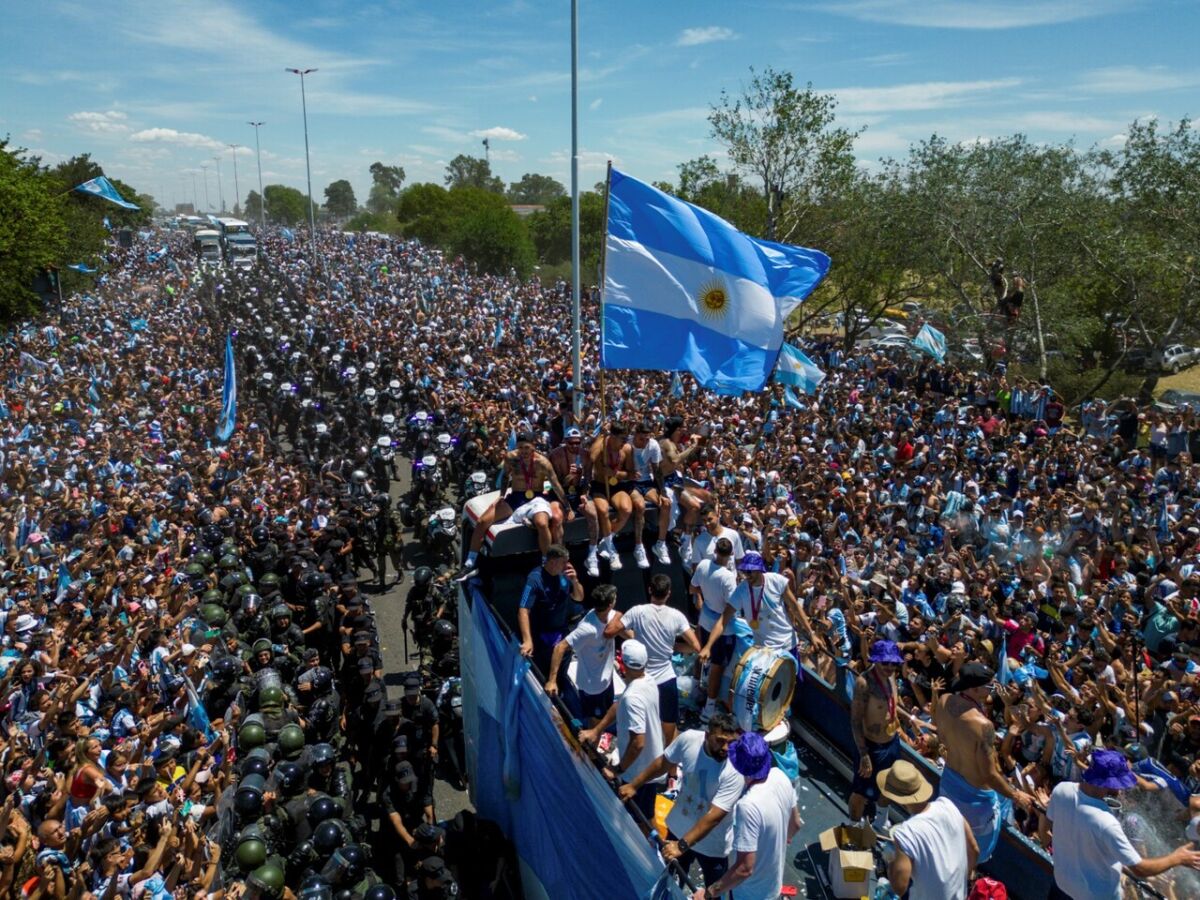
883,890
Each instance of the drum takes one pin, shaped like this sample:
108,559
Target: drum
763,681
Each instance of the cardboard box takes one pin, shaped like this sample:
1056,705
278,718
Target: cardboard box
851,863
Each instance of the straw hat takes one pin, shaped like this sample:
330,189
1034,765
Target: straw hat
904,783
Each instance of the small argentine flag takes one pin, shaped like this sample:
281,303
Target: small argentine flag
796,370
685,291
102,187
930,340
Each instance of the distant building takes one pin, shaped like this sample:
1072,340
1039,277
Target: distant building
525,210
184,209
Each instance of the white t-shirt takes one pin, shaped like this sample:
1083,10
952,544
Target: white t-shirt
705,545
657,627
646,459
1089,845
707,782
936,843
716,584
637,712
593,653
760,824
765,612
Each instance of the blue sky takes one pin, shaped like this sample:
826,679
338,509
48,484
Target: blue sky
155,88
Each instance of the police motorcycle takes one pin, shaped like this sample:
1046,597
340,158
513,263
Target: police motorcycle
446,453
425,495
439,537
417,436
383,460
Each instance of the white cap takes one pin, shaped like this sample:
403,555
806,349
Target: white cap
635,655
188,649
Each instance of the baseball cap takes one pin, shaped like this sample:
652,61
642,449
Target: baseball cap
633,652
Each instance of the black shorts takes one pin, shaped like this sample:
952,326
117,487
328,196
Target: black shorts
668,701
600,489
576,503
883,756
594,706
722,650
673,480
644,487
517,499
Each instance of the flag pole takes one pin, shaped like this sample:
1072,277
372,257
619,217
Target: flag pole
576,351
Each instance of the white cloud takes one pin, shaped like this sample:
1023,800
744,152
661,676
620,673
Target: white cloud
595,104
189,139
1058,121
499,133
504,155
923,95
694,37
979,15
1136,80
33,134
110,122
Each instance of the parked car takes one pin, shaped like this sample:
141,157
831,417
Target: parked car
1178,357
891,342
1175,399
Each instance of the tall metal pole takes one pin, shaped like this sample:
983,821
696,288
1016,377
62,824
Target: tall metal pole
207,202
220,190
195,200
576,352
237,191
262,200
312,219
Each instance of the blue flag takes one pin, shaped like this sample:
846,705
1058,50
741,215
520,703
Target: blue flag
1005,674
288,234
228,395
790,398
64,581
138,324
197,715
93,393
930,340
499,336
797,370
512,440
82,267
156,255
685,291
107,223
102,187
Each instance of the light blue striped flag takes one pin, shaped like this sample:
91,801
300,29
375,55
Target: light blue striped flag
1005,674
499,335
676,385
931,341
228,418
102,187
684,291
797,370
156,255
82,267
790,398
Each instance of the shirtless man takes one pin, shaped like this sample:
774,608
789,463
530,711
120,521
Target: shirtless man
613,476
972,778
677,451
875,724
573,468
526,471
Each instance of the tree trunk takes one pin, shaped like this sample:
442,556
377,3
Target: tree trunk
1037,330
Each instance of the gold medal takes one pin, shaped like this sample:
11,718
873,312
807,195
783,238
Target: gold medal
754,624
612,479
529,495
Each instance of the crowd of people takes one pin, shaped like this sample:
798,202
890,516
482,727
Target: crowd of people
192,672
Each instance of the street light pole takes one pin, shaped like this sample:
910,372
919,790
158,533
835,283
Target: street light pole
220,190
576,351
195,200
312,219
237,191
207,202
262,200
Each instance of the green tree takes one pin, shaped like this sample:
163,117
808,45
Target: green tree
339,199
253,208
385,187
550,230
424,213
724,193
786,139
534,188
471,171
32,229
487,232
285,205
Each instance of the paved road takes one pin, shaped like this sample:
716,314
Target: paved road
389,609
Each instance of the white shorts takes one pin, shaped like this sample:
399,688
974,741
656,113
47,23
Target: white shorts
524,515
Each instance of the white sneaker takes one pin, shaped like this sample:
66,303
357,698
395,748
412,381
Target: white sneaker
614,558
662,553
605,548
639,553
592,564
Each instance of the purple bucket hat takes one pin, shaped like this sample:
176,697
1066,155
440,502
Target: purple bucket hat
1109,769
750,756
886,652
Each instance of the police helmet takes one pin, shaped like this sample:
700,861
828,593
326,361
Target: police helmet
322,754
290,740
322,809
252,735
269,694
423,576
328,836
267,880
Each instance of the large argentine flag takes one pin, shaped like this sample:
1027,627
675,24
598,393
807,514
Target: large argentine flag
228,418
102,187
686,291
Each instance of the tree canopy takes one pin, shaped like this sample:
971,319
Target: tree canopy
339,199
471,171
535,189
285,205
